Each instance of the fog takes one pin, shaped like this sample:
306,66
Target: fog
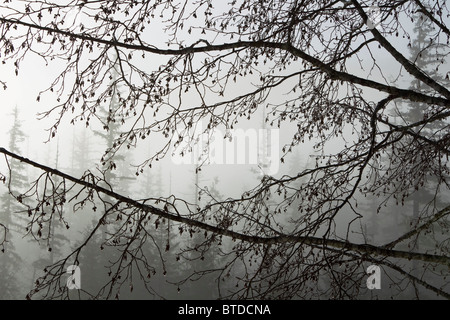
78,148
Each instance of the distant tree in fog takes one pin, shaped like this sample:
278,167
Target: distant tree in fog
322,65
12,222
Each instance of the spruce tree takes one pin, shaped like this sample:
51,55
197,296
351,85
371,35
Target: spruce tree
426,57
12,215
202,258
58,243
99,255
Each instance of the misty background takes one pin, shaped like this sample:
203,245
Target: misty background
78,148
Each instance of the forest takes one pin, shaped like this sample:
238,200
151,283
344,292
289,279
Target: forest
254,150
